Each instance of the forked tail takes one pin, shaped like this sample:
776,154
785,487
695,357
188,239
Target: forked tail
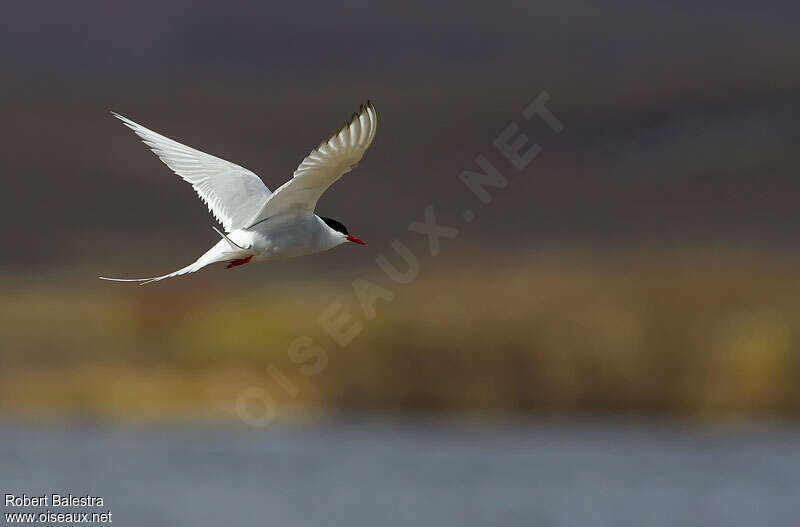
224,251
196,266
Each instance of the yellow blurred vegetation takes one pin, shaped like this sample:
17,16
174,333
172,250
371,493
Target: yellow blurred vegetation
696,333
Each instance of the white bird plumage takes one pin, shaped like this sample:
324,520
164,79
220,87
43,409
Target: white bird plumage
324,165
262,224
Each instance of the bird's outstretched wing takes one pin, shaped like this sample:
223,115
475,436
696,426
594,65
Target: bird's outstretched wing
323,166
234,195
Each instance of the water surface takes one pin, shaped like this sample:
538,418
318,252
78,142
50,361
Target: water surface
368,472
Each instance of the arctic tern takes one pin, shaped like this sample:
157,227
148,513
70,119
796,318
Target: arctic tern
259,224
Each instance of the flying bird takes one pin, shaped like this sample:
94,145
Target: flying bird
259,224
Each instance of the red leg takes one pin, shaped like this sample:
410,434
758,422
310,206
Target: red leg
243,261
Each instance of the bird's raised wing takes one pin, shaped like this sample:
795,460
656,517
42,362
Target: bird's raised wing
233,193
323,166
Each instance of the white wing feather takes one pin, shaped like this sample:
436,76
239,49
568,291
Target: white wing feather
323,166
233,193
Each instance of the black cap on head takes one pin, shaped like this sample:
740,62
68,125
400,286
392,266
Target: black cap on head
335,225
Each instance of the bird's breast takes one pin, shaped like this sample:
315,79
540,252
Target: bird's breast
285,239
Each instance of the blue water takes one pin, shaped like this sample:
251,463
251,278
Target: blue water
380,472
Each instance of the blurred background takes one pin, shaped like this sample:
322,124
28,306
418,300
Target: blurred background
612,341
